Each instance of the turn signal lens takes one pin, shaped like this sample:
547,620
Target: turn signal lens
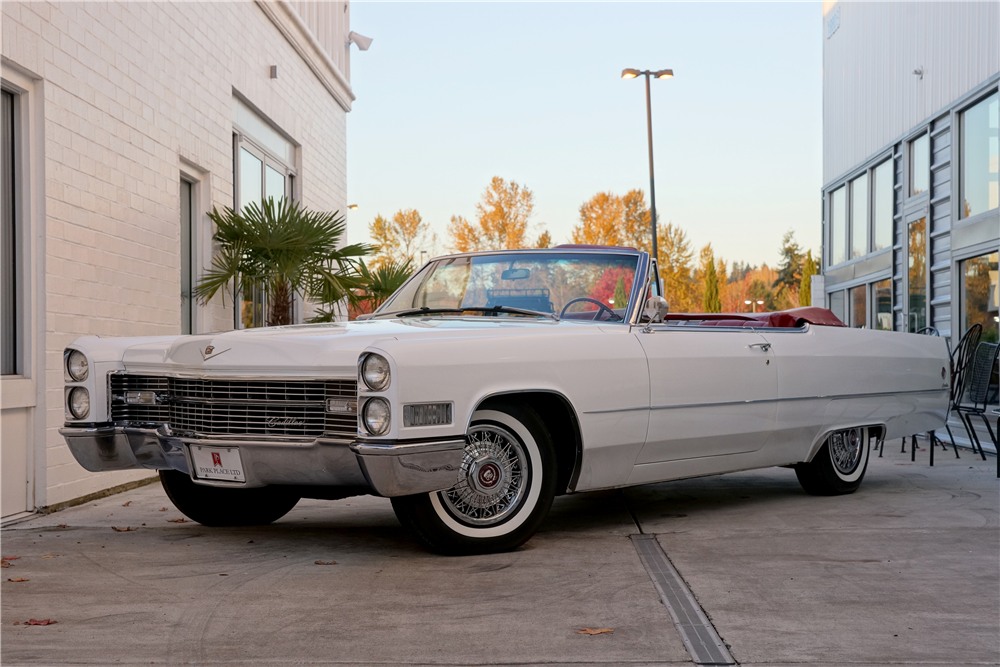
375,372
76,365
376,416
79,402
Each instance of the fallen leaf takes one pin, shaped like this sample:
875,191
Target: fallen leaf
17,622
163,509
326,562
48,556
144,524
122,530
595,631
62,525
223,574
18,579
177,520
9,557
127,503
44,621
4,563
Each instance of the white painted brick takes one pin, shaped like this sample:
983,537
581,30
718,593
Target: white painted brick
129,88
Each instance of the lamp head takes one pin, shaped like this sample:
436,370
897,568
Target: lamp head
664,74
630,73
353,207
362,41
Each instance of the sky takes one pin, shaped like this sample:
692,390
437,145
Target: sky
451,94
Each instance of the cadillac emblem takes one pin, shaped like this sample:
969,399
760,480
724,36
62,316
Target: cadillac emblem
210,352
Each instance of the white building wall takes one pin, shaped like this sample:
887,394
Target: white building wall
870,95
132,94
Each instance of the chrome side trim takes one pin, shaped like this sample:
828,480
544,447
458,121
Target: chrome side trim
402,469
766,400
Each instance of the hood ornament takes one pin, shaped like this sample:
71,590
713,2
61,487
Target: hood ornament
207,353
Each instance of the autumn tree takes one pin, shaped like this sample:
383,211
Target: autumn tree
400,238
601,220
610,219
675,268
809,269
544,240
502,222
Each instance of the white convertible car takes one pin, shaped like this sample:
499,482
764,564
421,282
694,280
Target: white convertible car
488,384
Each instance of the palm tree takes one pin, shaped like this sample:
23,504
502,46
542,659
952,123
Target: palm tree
280,249
375,286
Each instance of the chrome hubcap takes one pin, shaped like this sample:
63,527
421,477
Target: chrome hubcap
492,479
846,448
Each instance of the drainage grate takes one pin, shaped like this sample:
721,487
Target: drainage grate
699,636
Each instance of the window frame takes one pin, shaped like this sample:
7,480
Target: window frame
243,141
14,310
924,133
958,157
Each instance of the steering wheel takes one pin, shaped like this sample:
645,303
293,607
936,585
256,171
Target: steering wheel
615,317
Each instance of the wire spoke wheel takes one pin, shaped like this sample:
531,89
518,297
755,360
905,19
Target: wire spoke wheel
493,478
845,449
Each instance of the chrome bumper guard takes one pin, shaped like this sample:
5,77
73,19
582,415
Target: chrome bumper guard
389,469
404,469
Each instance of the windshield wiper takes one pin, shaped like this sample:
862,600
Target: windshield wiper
479,309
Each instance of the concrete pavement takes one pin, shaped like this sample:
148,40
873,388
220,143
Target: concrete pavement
906,571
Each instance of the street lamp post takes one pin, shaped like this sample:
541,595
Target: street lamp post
659,74
755,304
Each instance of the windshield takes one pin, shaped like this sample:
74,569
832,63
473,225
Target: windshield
585,286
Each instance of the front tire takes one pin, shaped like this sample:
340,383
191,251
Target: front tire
214,506
505,489
839,465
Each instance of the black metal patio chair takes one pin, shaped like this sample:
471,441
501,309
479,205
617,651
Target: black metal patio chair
976,396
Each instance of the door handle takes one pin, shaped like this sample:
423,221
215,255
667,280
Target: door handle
763,346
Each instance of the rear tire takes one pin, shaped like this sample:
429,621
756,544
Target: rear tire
214,506
505,488
839,465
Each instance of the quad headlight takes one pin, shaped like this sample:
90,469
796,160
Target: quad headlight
376,416
76,365
78,402
375,372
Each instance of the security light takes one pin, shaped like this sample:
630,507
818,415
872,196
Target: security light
630,73
353,207
664,74
362,41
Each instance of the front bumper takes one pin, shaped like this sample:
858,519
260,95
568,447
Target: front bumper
389,469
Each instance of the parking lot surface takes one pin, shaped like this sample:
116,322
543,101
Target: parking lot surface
905,571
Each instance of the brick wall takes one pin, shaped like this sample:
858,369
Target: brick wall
132,92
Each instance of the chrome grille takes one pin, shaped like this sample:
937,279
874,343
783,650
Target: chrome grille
238,408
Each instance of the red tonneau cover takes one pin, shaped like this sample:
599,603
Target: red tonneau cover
782,319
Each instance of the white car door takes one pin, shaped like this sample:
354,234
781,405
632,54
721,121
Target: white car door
713,391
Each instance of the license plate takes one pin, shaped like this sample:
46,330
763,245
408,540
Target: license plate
217,463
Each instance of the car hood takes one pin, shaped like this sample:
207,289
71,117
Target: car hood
330,349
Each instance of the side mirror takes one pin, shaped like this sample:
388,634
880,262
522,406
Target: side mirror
656,309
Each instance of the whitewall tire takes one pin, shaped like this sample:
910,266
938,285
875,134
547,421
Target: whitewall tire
839,465
505,488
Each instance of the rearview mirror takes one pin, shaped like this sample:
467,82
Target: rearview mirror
656,309
515,274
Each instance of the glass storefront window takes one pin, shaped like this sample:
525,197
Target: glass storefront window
838,226
882,296
980,157
920,164
837,305
859,216
882,205
917,275
859,307
980,295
